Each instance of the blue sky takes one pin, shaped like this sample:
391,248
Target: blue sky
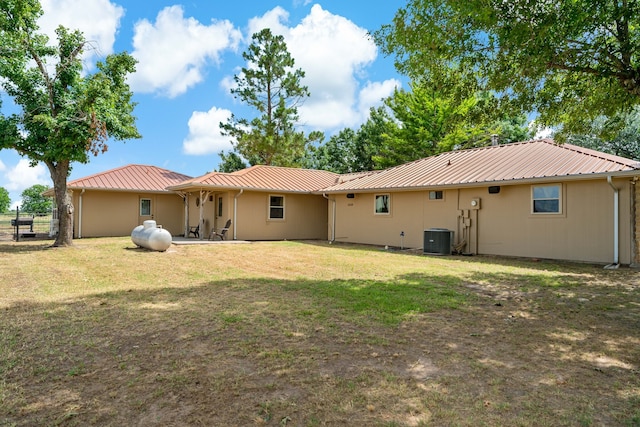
188,54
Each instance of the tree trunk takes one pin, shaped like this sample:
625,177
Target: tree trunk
59,172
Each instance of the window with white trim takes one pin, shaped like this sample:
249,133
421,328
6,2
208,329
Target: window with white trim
145,207
436,195
382,204
276,207
546,199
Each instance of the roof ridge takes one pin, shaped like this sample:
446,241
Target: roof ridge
104,172
600,155
129,165
254,167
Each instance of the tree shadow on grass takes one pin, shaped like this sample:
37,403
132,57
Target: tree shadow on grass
339,352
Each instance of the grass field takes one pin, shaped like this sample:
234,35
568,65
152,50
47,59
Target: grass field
311,334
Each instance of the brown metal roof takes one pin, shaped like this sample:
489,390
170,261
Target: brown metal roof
265,178
130,178
530,160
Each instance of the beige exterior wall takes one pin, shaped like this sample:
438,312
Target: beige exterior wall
635,225
305,217
502,223
208,211
103,213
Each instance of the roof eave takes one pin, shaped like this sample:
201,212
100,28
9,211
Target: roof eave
515,181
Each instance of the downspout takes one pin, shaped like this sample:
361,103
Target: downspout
616,226
80,214
235,214
333,218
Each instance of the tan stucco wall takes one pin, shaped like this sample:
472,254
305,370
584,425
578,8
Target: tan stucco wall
118,213
635,226
208,211
305,217
503,224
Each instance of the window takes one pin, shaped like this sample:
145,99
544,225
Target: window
382,204
436,195
219,206
145,207
276,207
546,198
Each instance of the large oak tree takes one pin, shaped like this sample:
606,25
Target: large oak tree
65,114
570,61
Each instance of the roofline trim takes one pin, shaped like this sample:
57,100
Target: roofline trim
524,181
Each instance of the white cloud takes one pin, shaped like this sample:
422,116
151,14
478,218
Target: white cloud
334,53
540,132
2,166
204,132
374,92
99,20
23,176
173,51
273,19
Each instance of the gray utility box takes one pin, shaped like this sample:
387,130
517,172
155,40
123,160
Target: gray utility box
438,241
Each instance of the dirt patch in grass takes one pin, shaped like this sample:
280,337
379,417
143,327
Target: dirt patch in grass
302,334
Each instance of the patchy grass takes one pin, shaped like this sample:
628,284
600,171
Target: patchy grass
308,334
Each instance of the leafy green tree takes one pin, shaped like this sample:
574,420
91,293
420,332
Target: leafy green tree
568,60
624,142
34,202
5,200
433,119
230,162
354,151
271,86
430,123
66,114
371,138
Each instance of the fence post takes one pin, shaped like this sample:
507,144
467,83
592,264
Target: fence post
17,224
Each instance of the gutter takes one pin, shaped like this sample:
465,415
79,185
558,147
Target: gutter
333,219
616,226
235,214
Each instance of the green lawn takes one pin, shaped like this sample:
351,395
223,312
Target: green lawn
311,334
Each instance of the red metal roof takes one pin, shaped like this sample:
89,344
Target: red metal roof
130,178
265,178
531,160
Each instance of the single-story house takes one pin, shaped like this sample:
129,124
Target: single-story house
531,199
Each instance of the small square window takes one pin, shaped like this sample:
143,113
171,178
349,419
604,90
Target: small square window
546,199
436,195
276,207
382,204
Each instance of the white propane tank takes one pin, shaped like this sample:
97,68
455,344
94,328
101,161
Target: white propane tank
151,237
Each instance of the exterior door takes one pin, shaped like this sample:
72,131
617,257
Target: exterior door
146,209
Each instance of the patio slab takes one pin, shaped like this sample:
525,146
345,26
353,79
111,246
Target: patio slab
178,240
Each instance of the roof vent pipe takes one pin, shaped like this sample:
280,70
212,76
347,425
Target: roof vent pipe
616,226
494,139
